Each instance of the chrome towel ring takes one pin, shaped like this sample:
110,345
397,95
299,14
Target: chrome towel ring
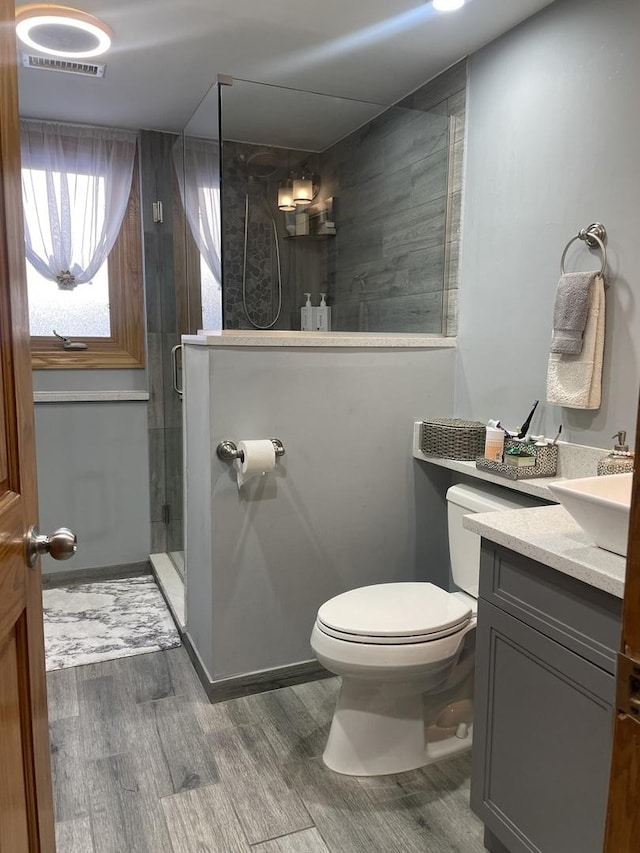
594,236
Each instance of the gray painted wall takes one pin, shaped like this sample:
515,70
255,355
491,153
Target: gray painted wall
346,506
553,129
89,380
93,477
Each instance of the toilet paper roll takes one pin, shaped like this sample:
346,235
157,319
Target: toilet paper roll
259,457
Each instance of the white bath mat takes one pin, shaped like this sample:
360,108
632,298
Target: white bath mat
92,622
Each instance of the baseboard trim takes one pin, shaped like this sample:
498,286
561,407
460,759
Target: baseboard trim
196,660
233,687
493,844
99,573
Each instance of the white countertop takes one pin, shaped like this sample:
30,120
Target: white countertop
549,535
574,460
251,338
539,487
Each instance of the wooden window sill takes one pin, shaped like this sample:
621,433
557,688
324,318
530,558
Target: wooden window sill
100,353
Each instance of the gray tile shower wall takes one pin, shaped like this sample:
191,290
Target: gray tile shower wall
447,94
165,416
397,183
303,260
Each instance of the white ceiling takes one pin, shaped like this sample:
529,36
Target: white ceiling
166,54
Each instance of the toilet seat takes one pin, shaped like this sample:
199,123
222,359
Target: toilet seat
393,614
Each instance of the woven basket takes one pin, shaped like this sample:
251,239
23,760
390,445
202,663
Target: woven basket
452,438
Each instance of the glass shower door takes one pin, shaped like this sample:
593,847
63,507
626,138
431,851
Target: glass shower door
196,299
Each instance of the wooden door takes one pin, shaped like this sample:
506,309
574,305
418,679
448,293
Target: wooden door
623,816
26,813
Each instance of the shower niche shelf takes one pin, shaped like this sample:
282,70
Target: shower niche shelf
320,217
310,236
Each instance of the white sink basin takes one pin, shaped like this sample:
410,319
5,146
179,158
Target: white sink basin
601,507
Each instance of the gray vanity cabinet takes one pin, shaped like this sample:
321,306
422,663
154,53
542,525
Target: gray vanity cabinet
544,700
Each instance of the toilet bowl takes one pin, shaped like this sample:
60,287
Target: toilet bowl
378,726
405,654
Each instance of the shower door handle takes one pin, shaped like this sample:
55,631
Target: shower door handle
175,369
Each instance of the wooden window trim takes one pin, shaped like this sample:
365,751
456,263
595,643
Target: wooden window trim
125,347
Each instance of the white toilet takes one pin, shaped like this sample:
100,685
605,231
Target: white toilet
405,652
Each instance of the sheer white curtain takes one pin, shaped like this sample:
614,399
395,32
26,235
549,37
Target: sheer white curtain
76,182
197,163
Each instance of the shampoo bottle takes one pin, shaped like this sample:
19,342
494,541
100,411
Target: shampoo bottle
306,315
323,315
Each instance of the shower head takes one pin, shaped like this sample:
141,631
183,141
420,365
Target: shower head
261,164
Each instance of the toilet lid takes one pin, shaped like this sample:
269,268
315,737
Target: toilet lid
394,613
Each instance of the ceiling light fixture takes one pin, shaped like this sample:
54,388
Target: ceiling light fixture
62,31
448,5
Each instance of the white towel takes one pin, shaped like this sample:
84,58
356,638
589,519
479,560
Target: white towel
575,381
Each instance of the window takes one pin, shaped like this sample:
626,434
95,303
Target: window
108,315
75,313
211,298
98,302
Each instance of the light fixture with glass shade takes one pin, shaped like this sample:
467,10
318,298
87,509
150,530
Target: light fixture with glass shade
303,188
62,31
285,196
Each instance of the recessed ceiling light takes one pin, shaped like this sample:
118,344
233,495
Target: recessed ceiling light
62,31
447,5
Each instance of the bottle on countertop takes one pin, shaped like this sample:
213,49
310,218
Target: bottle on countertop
494,444
323,315
307,316
620,460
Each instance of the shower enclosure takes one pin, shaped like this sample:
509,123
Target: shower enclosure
378,232
375,227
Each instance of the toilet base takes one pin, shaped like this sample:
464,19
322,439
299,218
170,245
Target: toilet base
377,732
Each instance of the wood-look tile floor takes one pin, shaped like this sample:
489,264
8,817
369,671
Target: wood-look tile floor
142,763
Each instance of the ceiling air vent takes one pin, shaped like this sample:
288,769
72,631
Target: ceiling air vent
68,67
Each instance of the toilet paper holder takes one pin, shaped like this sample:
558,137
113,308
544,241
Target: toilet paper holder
228,451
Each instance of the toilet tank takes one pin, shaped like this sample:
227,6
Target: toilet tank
464,546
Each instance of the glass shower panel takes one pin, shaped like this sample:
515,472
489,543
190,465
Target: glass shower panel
196,297
201,198
376,236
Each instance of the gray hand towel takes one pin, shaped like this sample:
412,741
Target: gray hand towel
571,310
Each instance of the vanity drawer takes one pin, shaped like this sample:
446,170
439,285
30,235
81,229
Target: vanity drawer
583,619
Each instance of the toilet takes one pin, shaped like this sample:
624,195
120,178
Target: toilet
405,653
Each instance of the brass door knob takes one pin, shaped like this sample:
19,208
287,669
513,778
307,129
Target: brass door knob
61,544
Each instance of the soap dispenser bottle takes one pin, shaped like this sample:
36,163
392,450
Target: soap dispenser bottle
323,315
306,315
620,460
